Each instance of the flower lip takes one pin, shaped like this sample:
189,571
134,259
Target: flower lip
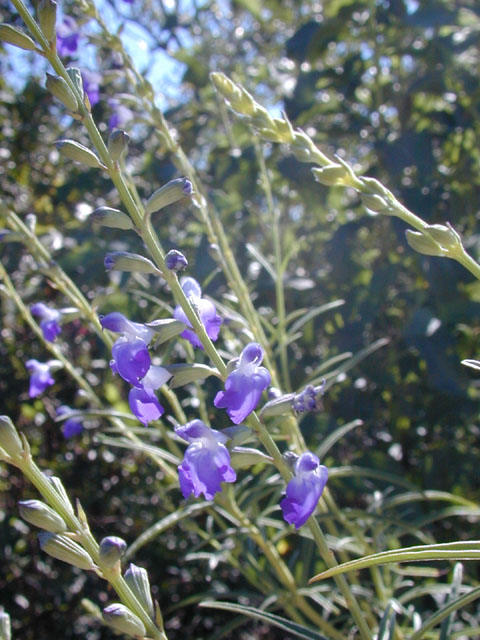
252,354
191,288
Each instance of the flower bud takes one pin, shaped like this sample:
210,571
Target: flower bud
112,218
185,373
9,439
41,515
17,37
331,175
76,77
5,631
238,97
121,619
64,549
118,144
60,489
124,261
175,260
243,457
446,236
79,153
168,194
60,89
137,580
111,550
47,18
278,406
166,329
423,243
376,203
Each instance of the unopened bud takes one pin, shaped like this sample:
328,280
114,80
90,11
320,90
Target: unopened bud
76,77
111,550
124,261
112,218
64,549
186,373
57,484
331,175
9,439
17,37
168,194
238,97
79,153
446,236
118,144
278,406
121,619
175,260
47,18
41,515
5,630
137,580
60,89
243,457
376,203
166,329
423,244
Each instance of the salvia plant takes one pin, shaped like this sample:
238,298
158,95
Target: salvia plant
202,387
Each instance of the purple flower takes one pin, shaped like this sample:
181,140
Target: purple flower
49,320
205,309
40,377
70,427
120,116
175,260
144,404
68,35
91,85
309,399
207,461
304,489
244,386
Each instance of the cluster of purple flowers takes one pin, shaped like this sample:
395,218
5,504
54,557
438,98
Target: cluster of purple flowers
131,361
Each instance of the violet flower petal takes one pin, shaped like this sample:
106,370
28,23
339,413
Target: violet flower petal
206,463
40,377
145,405
304,489
131,360
244,385
206,309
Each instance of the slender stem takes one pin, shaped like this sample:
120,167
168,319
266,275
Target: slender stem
277,248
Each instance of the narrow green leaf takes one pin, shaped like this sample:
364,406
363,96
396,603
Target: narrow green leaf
315,312
334,437
258,255
447,551
291,627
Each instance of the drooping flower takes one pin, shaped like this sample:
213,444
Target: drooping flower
40,377
175,260
206,310
131,359
244,385
68,34
70,427
91,85
310,399
50,320
304,489
144,404
207,461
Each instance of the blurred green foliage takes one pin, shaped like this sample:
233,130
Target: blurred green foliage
392,87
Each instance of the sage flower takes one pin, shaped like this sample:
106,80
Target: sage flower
71,426
244,385
144,404
304,489
40,377
68,35
207,461
49,320
205,309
